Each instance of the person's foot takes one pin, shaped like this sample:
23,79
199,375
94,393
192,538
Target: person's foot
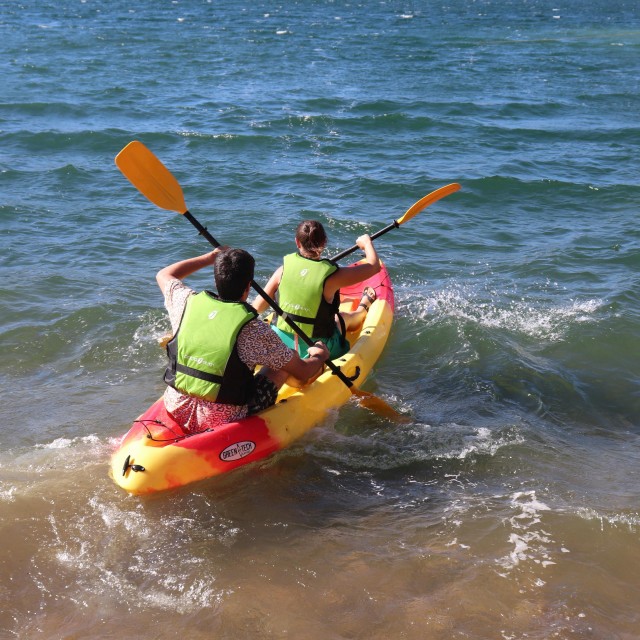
368,298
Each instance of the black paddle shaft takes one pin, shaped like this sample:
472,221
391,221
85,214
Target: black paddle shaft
377,234
272,303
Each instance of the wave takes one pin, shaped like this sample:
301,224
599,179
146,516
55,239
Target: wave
629,521
530,318
562,359
89,340
71,472
365,446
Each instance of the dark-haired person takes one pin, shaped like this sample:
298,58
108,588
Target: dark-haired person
308,288
218,341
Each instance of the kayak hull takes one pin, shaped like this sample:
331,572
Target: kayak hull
156,455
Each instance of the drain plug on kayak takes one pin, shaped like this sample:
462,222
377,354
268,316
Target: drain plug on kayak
133,467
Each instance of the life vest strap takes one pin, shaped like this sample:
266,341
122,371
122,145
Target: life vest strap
201,375
297,318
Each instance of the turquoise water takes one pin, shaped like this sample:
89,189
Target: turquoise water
509,507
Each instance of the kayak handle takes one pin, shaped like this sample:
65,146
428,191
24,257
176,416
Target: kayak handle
355,376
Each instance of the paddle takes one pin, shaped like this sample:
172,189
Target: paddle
411,212
145,171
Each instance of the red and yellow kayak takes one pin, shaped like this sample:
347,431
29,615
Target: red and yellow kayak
156,455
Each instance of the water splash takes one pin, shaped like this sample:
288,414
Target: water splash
490,309
531,543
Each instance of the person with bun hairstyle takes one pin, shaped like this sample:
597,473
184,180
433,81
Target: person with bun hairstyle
308,288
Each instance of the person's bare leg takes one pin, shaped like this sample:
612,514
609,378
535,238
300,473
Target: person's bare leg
353,319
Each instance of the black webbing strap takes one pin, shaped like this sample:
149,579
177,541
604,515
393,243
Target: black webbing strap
201,375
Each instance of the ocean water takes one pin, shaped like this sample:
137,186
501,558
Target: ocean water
509,507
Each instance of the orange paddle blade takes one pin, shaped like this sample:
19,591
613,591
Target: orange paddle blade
430,198
150,177
379,406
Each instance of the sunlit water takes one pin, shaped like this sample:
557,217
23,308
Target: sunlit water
508,508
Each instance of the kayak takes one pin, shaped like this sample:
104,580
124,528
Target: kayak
157,455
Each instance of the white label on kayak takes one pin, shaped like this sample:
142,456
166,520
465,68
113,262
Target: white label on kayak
237,451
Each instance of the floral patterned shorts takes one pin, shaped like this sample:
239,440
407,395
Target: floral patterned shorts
265,395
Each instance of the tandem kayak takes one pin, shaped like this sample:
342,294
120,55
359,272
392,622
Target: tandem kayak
157,455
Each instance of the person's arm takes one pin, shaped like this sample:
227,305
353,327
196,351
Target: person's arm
353,275
180,270
260,304
301,370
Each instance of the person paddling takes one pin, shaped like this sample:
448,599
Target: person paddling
218,341
308,288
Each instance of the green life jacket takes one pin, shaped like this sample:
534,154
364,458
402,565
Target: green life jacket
300,294
203,354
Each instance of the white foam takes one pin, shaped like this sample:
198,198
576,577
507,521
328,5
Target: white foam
474,441
628,520
519,315
65,443
530,542
181,586
9,494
